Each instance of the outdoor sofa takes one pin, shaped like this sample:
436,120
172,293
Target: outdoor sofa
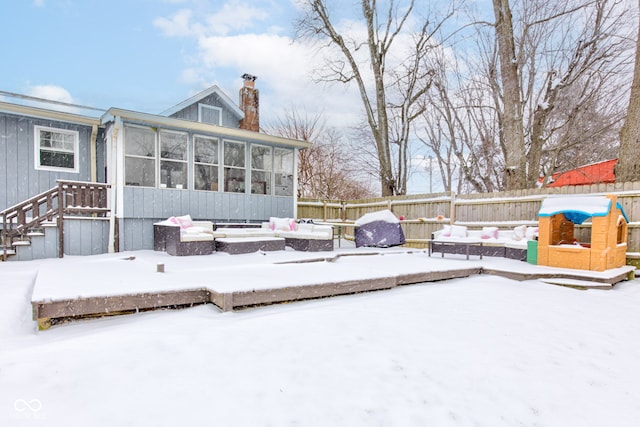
298,236
182,236
488,241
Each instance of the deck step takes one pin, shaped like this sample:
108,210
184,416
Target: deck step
35,232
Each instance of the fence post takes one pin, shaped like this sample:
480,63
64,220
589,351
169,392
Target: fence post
452,208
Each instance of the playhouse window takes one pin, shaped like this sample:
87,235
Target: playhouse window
173,160
283,162
205,159
140,156
56,149
622,231
261,165
234,167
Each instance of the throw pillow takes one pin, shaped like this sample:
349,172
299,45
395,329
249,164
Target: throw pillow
489,233
458,231
185,221
519,232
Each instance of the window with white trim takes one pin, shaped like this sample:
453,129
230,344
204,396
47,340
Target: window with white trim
234,167
140,156
210,114
56,149
174,167
261,166
283,162
205,163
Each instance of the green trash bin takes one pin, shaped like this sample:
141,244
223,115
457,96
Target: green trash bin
532,252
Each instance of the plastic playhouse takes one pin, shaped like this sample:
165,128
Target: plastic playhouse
557,246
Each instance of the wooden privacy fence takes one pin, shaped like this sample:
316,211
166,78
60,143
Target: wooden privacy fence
424,214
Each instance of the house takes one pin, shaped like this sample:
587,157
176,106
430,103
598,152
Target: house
105,179
595,173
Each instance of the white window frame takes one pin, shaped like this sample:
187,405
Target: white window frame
217,164
156,165
268,171
161,159
76,149
210,107
225,166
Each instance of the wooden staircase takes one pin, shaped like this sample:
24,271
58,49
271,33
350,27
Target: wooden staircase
28,220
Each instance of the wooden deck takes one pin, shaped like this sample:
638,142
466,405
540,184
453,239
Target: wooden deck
335,275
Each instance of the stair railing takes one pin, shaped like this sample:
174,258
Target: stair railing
68,197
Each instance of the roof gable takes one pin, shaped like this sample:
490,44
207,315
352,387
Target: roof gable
231,106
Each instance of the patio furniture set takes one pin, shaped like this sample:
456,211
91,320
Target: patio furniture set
488,241
181,236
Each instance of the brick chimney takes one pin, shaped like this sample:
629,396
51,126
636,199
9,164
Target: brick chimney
249,104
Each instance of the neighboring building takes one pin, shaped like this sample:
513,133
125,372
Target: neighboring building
595,173
203,157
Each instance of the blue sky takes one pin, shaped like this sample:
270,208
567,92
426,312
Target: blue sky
148,55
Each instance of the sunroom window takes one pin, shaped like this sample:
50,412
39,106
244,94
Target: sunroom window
56,149
140,156
261,166
283,162
174,150
234,167
205,160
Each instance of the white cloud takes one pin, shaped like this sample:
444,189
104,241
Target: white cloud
284,74
178,25
38,3
234,17
52,92
241,37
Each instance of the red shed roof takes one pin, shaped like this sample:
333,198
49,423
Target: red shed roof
595,173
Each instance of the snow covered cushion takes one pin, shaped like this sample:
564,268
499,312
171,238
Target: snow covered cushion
489,233
197,230
282,224
519,232
458,231
446,231
531,233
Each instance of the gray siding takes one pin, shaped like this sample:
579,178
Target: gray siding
81,237
229,119
144,206
18,174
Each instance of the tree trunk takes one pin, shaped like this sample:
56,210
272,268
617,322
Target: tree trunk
628,168
513,134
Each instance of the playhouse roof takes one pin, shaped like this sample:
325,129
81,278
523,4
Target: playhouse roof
578,208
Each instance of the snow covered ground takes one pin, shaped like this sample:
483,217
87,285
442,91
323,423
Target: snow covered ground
481,351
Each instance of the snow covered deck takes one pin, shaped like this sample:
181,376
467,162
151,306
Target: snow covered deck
129,282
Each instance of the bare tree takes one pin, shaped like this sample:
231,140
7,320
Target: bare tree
512,128
627,168
323,169
560,109
391,95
